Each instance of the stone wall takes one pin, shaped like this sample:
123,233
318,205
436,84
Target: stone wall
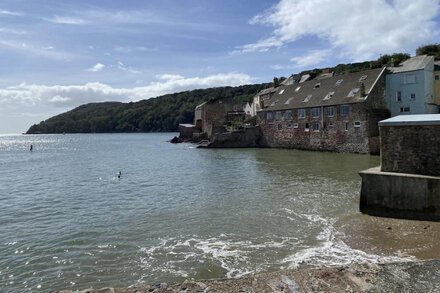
413,149
400,195
248,137
338,133
215,114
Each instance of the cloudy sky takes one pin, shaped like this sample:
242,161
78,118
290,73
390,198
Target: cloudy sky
56,55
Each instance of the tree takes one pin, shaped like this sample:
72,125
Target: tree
431,50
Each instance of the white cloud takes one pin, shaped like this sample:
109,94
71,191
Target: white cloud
358,29
12,31
11,13
313,57
36,50
66,20
98,67
75,95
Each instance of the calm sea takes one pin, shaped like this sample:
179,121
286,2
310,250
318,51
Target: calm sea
177,212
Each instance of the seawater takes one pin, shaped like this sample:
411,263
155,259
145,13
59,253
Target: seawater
68,222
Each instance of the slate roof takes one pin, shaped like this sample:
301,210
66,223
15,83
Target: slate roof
266,91
412,64
288,97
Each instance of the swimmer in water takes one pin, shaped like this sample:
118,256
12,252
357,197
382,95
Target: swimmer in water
31,148
119,175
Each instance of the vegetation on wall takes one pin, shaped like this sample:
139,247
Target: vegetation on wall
163,113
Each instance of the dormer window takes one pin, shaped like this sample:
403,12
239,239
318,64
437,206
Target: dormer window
338,83
353,92
297,89
363,77
288,101
306,99
281,92
329,96
318,85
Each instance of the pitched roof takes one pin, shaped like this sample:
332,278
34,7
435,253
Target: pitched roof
266,91
412,64
336,90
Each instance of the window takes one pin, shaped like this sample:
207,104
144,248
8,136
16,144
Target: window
301,113
353,92
346,126
330,124
274,103
318,85
330,111
409,78
288,101
278,115
345,110
306,99
398,96
281,92
288,115
315,112
329,96
437,77
306,127
297,89
295,125
289,125
404,109
315,126
279,126
413,96
269,116
363,77
357,124
338,83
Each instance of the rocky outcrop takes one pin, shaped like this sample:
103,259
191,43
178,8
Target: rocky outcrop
391,277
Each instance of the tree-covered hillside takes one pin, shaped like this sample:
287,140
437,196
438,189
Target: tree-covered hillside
163,113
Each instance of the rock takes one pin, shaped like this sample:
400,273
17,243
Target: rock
389,228
176,140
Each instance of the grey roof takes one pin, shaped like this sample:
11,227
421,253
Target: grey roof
423,119
266,91
412,64
288,97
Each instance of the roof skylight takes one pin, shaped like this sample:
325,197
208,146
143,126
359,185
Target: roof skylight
306,99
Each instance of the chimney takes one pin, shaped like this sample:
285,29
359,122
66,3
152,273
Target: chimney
362,90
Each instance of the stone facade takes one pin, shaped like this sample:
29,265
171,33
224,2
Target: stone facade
413,149
356,132
349,124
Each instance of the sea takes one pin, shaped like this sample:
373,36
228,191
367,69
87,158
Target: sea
176,212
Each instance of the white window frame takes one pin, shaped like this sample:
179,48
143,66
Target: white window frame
316,112
302,111
357,124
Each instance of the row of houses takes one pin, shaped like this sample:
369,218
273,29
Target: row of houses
330,112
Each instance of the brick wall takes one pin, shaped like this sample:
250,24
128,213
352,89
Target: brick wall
411,149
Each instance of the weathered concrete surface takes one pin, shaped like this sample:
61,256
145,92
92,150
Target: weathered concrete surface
399,195
393,277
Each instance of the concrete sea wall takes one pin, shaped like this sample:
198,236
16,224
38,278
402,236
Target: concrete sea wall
399,195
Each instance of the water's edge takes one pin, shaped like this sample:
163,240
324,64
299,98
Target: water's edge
417,276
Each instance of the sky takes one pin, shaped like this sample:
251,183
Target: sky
56,55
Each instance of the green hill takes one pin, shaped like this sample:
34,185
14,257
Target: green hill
159,114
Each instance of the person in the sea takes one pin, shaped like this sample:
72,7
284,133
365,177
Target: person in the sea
31,148
119,175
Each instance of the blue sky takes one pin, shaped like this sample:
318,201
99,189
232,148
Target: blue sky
57,55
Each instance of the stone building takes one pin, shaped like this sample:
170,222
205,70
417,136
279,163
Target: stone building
410,87
407,184
437,83
337,113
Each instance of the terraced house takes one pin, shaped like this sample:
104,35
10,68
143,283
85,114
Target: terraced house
335,113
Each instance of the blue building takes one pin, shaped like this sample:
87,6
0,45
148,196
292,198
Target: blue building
410,87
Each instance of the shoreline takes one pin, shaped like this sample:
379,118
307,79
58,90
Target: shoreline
416,276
